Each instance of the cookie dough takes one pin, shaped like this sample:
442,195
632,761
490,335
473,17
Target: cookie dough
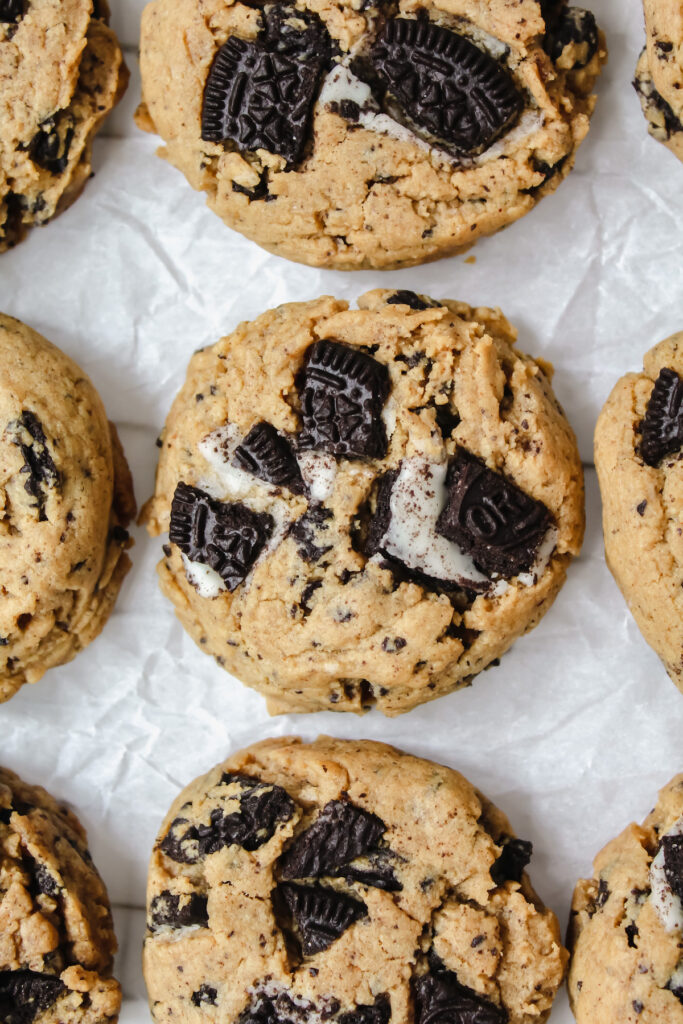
414,129
659,74
626,929
346,882
66,496
365,506
638,446
61,72
57,940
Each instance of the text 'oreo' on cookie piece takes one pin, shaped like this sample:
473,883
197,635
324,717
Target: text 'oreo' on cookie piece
24,995
259,94
11,11
268,456
514,857
178,911
341,832
490,518
444,86
28,434
441,999
571,26
321,914
228,537
262,807
343,391
661,429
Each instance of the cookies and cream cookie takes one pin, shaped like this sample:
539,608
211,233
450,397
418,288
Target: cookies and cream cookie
659,74
61,72
638,456
361,134
366,506
57,940
626,931
66,496
346,882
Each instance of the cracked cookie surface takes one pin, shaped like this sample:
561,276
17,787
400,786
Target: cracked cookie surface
417,127
66,496
57,940
626,928
61,72
380,888
366,506
639,460
659,73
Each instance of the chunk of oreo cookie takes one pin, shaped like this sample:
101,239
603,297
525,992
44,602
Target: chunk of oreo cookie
28,434
24,995
269,456
306,533
515,856
228,537
321,914
378,1012
341,833
11,11
178,911
204,994
374,869
569,26
411,299
672,845
259,94
661,430
262,807
49,147
343,391
490,518
441,999
443,86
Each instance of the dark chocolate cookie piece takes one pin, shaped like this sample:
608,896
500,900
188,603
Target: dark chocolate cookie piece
49,147
306,533
441,999
444,86
374,868
178,910
321,914
672,845
228,537
661,430
204,994
341,833
407,298
11,11
490,518
515,856
343,391
26,994
378,1012
269,456
259,94
263,807
571,25
38,465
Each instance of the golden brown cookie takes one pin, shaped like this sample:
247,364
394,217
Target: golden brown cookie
61,72
659,74
366,506
348,882
66,496
626,930
638,446
57,940
359,134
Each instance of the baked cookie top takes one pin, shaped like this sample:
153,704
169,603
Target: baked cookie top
659,74
343,881
365,134
638,446
365,506
66,496
626,930
61,72
57,941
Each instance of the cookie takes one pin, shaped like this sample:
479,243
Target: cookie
346,882
626,928
358,134
57,940
365,506
61,72
659,74
639,459
66,496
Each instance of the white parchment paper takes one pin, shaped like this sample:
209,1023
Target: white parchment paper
575,731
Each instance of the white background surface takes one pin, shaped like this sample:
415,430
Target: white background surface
575,731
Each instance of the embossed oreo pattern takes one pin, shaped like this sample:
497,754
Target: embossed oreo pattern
662,426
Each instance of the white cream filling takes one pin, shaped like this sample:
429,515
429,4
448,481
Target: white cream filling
203,578
319,471
664,899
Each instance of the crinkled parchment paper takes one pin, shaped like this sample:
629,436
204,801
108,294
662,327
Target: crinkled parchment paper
575,731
